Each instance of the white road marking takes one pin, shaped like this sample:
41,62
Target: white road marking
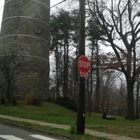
41,137
10,137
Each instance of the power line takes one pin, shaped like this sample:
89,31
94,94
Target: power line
31,18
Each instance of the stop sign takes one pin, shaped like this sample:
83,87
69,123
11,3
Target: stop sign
83,64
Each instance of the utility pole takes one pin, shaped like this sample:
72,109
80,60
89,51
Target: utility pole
81,93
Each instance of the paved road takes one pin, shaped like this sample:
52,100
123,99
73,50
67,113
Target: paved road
12,133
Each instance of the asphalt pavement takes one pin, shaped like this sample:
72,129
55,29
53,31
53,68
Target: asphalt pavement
12,133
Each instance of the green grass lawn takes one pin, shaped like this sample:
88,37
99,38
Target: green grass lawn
47,112
53,113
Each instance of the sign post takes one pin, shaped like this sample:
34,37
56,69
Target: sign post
83,66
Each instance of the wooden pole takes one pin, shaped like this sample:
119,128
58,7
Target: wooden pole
81,96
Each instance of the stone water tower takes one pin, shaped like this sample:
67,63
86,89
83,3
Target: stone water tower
25,28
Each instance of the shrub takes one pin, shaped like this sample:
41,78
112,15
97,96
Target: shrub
67,103
2,101
50,99
29,100
73,129
35,101
14,102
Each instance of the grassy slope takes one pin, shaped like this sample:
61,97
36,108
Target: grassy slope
48,112
53,113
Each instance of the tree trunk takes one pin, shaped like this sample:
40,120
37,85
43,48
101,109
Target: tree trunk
97,93
65,74
57,72
137,101
66,60
89,98
130,112
9,97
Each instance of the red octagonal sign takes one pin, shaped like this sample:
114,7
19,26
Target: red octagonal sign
83,64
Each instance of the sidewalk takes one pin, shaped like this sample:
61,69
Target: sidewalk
87,131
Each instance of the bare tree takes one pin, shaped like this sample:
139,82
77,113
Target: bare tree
11,65
119,22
